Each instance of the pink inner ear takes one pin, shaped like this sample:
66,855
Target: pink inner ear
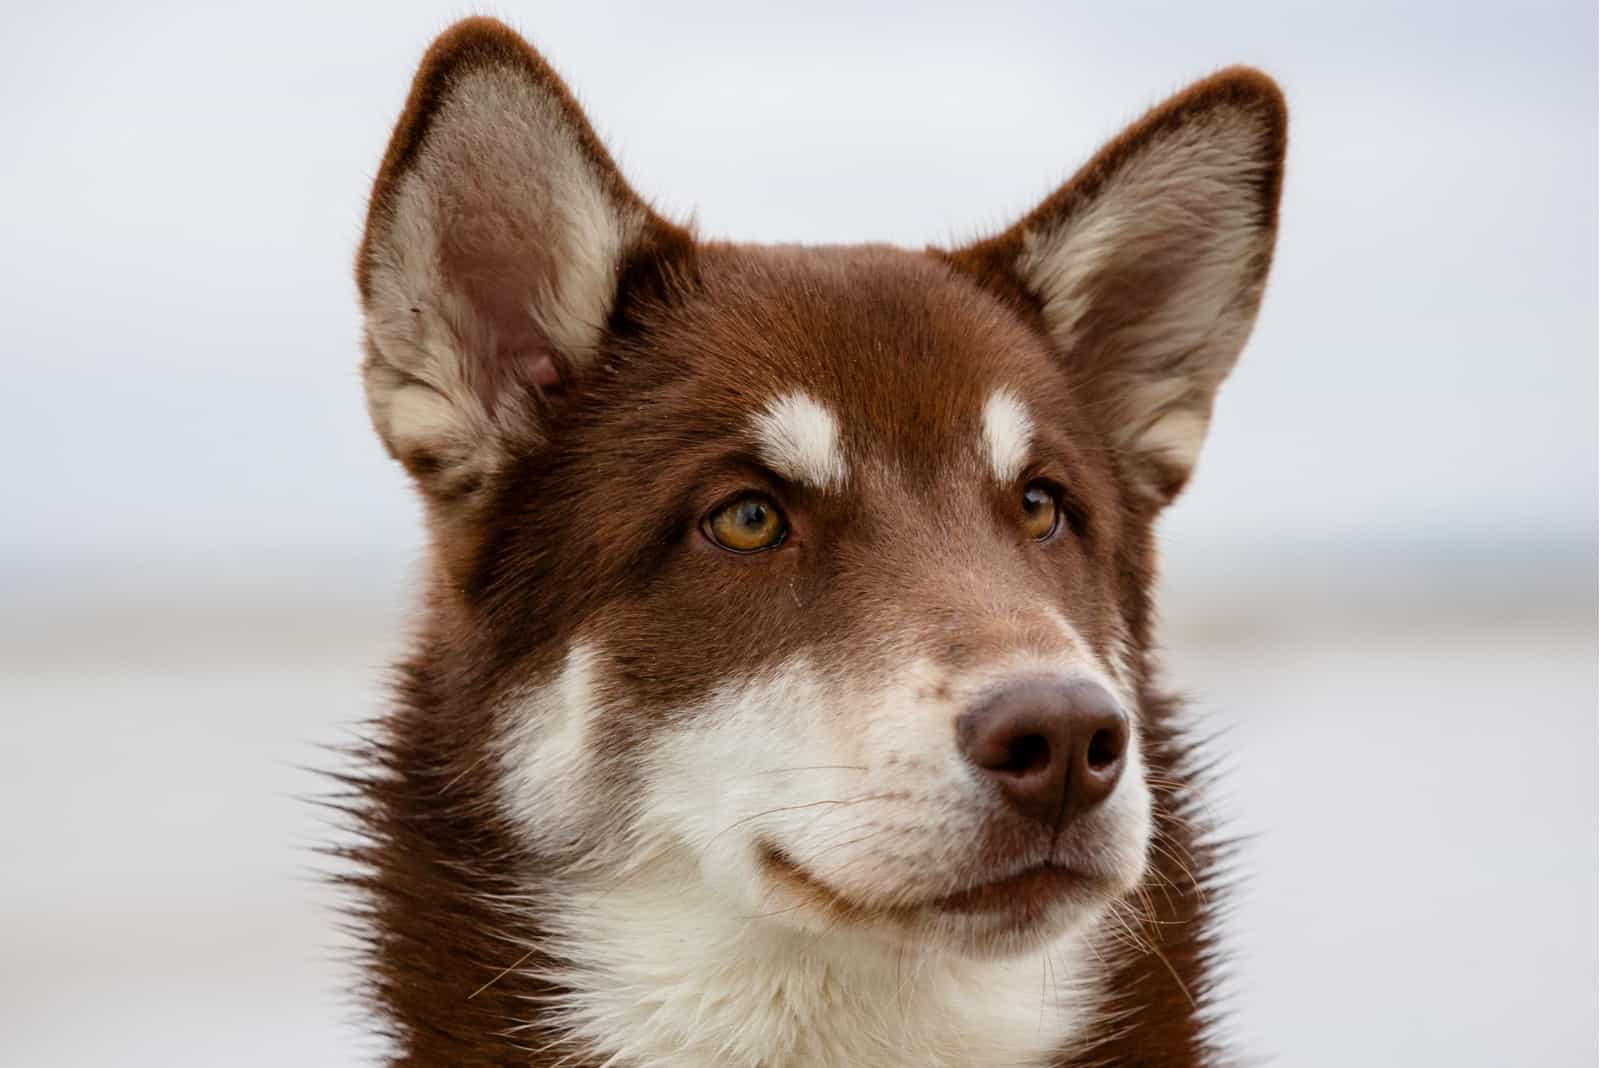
498,273
543,372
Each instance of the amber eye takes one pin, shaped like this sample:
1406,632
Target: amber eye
1041,514
747,524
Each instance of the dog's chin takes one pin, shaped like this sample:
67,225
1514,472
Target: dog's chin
989,917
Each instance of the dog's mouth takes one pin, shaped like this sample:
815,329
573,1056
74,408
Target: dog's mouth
1031,888
1018,899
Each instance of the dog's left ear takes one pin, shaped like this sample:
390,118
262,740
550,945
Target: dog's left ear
1147,267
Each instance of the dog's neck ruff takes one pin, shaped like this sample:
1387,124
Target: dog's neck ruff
652,975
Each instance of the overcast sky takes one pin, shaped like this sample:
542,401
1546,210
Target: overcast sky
181,190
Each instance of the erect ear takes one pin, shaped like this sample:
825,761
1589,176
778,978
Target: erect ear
1147,267
498,232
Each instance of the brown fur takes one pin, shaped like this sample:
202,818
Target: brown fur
448,894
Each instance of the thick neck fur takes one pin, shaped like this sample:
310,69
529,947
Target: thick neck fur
477,954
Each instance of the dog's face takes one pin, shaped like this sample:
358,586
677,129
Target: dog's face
825,569
854,636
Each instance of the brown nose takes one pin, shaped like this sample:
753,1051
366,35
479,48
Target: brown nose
1054,748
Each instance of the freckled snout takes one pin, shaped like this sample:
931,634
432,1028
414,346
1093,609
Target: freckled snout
1054,748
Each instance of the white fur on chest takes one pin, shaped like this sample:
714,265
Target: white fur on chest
664,979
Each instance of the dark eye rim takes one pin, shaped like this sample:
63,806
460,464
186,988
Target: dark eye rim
707,532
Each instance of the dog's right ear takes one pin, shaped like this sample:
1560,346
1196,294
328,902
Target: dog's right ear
498,233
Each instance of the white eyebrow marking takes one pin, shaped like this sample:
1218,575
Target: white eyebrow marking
1008,431
800,439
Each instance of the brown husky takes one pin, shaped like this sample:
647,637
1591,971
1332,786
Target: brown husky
783,695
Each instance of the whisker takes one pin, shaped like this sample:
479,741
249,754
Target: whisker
507,970
794,808
796,770
1194,881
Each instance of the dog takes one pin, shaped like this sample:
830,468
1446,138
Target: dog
783,693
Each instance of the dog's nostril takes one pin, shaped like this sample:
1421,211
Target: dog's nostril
1105,749
1029,753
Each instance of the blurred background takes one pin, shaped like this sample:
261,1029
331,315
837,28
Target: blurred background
1380,588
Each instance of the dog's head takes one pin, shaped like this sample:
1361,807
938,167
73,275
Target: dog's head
822,570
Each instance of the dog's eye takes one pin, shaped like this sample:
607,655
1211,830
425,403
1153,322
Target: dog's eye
747,524
1041,511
